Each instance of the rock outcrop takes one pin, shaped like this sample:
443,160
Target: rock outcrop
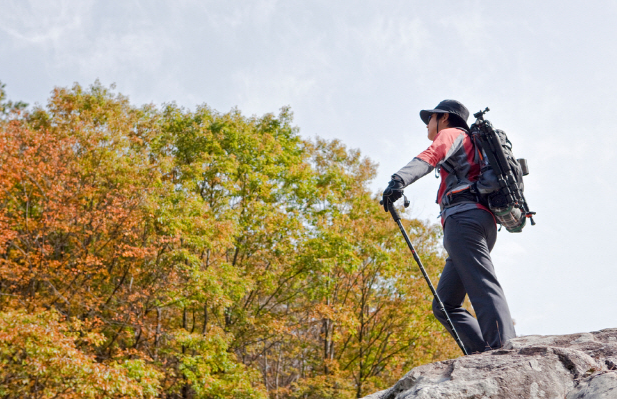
549,367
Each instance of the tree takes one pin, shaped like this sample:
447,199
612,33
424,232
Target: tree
197,254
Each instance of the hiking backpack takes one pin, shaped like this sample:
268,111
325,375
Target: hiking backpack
500,184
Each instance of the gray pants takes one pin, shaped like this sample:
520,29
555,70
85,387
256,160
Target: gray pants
469,237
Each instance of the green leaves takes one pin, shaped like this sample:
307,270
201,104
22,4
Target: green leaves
40,357
199,254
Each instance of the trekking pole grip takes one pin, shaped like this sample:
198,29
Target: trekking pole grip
392,210
395,215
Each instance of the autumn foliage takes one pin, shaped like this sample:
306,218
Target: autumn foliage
163,252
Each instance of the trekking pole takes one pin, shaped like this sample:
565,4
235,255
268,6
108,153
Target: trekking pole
397,219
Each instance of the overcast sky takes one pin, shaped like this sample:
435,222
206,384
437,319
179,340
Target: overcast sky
360,71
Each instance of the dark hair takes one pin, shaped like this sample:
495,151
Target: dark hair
455,121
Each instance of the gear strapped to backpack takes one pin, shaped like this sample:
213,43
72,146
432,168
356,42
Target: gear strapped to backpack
500,183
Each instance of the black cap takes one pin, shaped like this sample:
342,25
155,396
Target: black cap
447,107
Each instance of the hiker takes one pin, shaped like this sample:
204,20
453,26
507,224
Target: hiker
470,230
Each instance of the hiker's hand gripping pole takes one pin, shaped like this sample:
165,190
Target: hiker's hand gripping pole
397,219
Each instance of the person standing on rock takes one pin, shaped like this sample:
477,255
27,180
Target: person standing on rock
470,230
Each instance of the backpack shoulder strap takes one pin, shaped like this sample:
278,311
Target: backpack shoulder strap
478,157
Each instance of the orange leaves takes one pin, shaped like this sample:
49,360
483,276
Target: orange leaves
198,254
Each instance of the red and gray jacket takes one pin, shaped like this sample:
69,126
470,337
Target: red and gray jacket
454,154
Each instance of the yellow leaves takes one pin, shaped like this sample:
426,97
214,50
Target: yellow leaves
322,310
39,355
209,254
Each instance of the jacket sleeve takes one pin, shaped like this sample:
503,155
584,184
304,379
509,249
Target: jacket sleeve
414,170
445,144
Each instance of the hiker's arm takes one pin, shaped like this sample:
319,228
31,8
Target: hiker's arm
443,146
447,142
414,170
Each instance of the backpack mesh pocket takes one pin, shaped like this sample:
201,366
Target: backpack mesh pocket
511,218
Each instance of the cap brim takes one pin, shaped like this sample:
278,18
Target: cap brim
426,113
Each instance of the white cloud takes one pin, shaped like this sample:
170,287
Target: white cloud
259,94
42,22
390,39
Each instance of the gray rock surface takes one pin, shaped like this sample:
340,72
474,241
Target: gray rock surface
571,366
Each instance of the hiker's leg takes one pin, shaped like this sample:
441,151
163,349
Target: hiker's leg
469,238
452,293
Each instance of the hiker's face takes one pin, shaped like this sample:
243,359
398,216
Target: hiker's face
432,127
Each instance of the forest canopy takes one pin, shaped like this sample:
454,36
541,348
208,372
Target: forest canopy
163,252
